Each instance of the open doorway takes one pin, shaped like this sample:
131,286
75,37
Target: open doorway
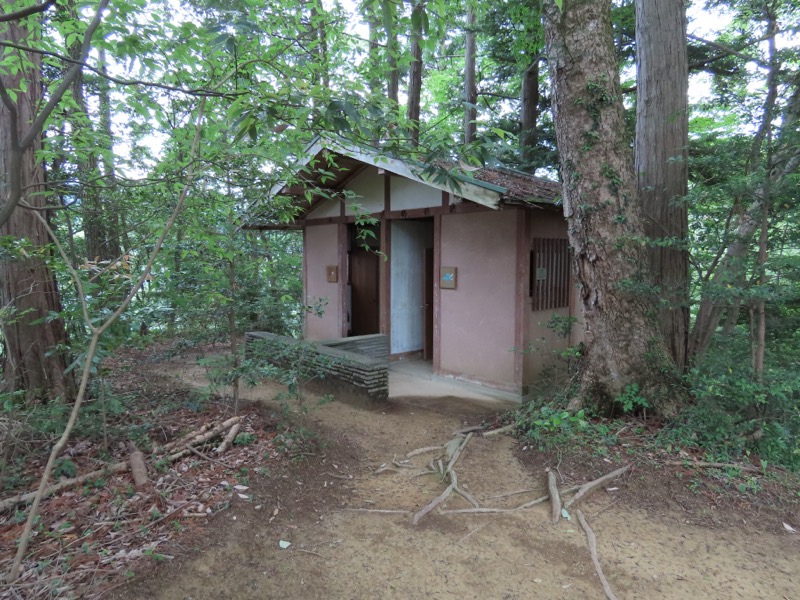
412,288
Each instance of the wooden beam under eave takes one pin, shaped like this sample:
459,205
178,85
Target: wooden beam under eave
296,226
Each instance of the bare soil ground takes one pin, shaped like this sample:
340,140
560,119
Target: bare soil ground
662,533
671,532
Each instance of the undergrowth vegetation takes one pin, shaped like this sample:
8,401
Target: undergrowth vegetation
733,416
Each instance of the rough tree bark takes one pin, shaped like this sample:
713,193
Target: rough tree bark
529,110
415,70
470,87
622,342
35,360
662,137
392,50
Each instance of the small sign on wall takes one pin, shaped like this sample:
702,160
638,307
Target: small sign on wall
448,278
332,273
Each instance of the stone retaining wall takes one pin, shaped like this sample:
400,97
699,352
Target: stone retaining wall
357,364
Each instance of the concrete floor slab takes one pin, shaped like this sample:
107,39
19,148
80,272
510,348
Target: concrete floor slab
416,378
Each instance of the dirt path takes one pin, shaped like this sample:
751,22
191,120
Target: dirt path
337,552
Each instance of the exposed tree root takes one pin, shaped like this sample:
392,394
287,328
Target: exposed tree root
380,511
418,451
555,498
590,487
593,551
509,494
431,505
469,429
454,449
451,474
505,429
714,465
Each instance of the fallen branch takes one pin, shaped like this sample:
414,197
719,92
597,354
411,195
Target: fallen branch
555,499
175,443
138,466
197,452
714,465
202,435
593,551
590,487
213,432
228,440
9,503
147,526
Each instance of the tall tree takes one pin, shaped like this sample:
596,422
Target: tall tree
774,160
33,333
418,17
662,137
470,86
622,343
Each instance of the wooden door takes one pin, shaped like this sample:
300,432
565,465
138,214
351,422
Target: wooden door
427,287
364,306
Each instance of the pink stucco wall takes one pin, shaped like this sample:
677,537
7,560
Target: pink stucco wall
477,319
543,347
322,249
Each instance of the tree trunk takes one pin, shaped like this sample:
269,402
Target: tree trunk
661,160
117,223
415,71
760,331
622,344
95,228
34,341
785,160
470,87
529,111
392,51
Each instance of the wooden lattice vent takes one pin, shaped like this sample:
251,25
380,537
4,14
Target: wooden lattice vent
549,284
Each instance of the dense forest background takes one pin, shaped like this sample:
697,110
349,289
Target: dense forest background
140,140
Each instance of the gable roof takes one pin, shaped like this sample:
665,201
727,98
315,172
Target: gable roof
329,164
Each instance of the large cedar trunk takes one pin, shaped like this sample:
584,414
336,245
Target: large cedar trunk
622,343
415,71
529,111
661,160
392,50
34,357
470,86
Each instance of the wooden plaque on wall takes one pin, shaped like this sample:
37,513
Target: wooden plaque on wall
448,278
332,273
